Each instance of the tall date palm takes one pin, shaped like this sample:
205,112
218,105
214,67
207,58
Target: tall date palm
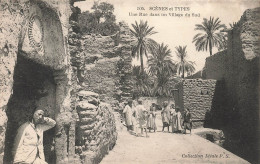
143,44
210,35
183,65
161,65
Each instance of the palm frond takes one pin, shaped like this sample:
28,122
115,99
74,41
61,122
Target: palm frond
211,29
143,44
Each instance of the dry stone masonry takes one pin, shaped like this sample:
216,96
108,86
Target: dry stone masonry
96,133
103,64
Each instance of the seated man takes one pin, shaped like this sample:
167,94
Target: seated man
28,144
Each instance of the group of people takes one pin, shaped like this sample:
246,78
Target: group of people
138,118
28,144
172,116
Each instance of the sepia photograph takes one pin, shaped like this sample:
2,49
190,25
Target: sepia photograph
129,82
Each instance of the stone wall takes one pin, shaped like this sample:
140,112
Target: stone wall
8,56
103,64
96,130
101,78
215,66
97,70
197,95
238,67
124,66
34,37
196,75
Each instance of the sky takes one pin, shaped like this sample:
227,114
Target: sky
177,30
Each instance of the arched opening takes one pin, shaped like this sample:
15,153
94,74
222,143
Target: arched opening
33,87
40,56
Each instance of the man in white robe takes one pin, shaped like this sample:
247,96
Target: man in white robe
28,144
128,115
142,117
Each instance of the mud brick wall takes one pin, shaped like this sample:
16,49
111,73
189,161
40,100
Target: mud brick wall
124,65
101,78
96,130
217,64
100,66
97,59
197,95
94,59
238,67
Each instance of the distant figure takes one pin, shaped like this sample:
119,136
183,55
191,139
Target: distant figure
141,117
165,116
134,117
187,123
28,144
173,118
128,115
121,107
151,118
178,120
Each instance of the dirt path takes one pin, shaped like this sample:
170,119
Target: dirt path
164,148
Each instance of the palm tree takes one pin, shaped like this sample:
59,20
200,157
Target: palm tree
162,67
143,83
143,44
210,36
183,65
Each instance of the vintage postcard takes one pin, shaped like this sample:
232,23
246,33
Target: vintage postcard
129,82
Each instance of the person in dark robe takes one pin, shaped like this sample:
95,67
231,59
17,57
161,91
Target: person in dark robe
187,122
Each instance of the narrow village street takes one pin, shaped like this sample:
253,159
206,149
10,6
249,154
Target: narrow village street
163,148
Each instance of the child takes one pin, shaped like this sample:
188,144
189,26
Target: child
187,123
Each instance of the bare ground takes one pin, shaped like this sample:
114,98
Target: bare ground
163,148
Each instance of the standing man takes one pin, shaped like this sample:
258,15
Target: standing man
173,118
141,117
178,119
151,118
128,115
165,116
28,144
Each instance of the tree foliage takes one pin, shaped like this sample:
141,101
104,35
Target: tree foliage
142,44
74,19
144,83
183,66
210,36
161,65
101,21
